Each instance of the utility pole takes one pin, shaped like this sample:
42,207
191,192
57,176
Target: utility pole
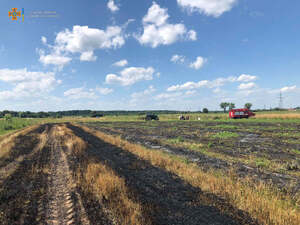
280,100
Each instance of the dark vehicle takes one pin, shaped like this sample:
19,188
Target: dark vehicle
151,117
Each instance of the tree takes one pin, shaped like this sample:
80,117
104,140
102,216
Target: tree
224,105
248,105
231,106
205,110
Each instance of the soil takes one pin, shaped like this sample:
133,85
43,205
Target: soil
171,200
41,189
257,139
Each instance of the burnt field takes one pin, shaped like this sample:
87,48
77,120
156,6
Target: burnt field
73,174
266,151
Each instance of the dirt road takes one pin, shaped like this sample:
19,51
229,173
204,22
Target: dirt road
39,185
64,203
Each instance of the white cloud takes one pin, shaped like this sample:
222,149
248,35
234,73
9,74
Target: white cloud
198,63
192,35
157,30
219,82
83,39
246,78
88,56
217,90
139,95
288,88
142,98
246,86
44,40
121,63
189,85
190,92
130,76
27,83
104,91
54,59
177,58
112,6
208,7
169,96
156,15
79,93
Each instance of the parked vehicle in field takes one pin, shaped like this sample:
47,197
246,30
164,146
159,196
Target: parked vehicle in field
240,113
182,117
151,117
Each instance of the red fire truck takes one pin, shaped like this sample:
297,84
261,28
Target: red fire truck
240,113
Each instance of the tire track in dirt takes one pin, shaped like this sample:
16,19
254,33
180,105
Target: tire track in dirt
64,203
37,185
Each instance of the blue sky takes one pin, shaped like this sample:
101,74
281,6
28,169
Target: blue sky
141,54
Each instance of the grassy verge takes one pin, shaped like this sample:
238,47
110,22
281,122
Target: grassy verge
7,126
261,201
101,181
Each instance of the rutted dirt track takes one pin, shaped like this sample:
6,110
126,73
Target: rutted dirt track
64,203
42,186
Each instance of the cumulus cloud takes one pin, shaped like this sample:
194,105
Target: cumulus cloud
88,56
246,86
157,30
53,59
198,63
169,96
288,88
130,76
112,6
192,35
27,83
213,8
190,92
80,93
189,85
121,63
177,58
139,95
82,40
44,40
219,82
246,78
104,91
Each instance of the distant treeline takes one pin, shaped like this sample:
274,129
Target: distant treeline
91,113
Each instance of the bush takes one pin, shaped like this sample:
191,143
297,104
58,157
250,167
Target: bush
8,117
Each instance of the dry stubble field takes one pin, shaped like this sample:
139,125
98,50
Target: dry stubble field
151,173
